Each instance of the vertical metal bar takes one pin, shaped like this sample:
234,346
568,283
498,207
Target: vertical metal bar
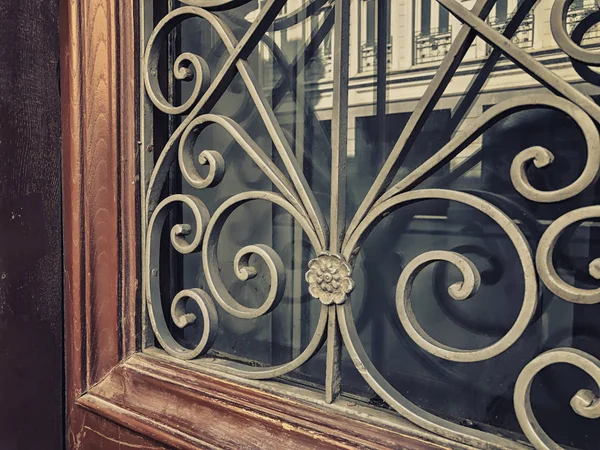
146,149
377,330
296,85
381,94
281,336
173,272
333,374
339,123
339,148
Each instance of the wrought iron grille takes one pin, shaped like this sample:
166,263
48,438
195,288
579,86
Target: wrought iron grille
335,241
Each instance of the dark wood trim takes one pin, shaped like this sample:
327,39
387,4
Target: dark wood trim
73,231
130,146
101,185
101,191
110,388
31,314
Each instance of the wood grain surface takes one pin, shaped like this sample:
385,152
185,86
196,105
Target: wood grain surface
31,314
100,206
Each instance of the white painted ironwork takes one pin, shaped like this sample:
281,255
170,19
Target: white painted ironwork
337,242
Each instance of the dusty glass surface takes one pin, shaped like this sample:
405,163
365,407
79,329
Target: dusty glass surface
386,130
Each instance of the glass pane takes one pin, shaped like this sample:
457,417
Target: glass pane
460,163
282,335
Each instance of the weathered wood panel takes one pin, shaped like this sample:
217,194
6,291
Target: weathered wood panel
99,157
31,313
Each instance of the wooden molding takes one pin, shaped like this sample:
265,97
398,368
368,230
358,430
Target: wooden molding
188,409
100,192
111,389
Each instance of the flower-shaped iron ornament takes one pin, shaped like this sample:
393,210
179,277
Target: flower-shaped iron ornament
328,278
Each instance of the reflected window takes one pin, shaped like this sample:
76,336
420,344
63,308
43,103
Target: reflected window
369,32
434,35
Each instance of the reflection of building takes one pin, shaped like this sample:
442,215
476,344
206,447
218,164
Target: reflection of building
420,34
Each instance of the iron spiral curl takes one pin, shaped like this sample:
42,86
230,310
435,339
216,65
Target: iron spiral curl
585,403
205,303
545,264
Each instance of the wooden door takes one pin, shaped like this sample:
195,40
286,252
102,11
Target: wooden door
384,106
31,312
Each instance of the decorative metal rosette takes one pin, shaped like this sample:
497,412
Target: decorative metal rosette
329,278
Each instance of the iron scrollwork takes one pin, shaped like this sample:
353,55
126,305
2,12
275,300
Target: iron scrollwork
329,275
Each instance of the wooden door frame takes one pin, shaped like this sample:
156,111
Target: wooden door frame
110,384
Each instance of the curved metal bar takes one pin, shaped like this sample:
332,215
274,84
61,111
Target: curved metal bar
152,277
540,156
450,64
244,272
277,136
285,152
182,65
236,50
298,199
264,163
276,269
492,269
530,295
532,230
262,373
182,319
584,402
407,409
458,291
545,266
164,27
289,70
577,35
211,158
235,63
558,26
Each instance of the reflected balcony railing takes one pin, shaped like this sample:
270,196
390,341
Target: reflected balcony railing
432,46
578,11
321,65
524,35
368,56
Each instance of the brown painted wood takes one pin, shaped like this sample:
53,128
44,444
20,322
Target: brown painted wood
205,411
31,380
90,432
110,387
99,158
